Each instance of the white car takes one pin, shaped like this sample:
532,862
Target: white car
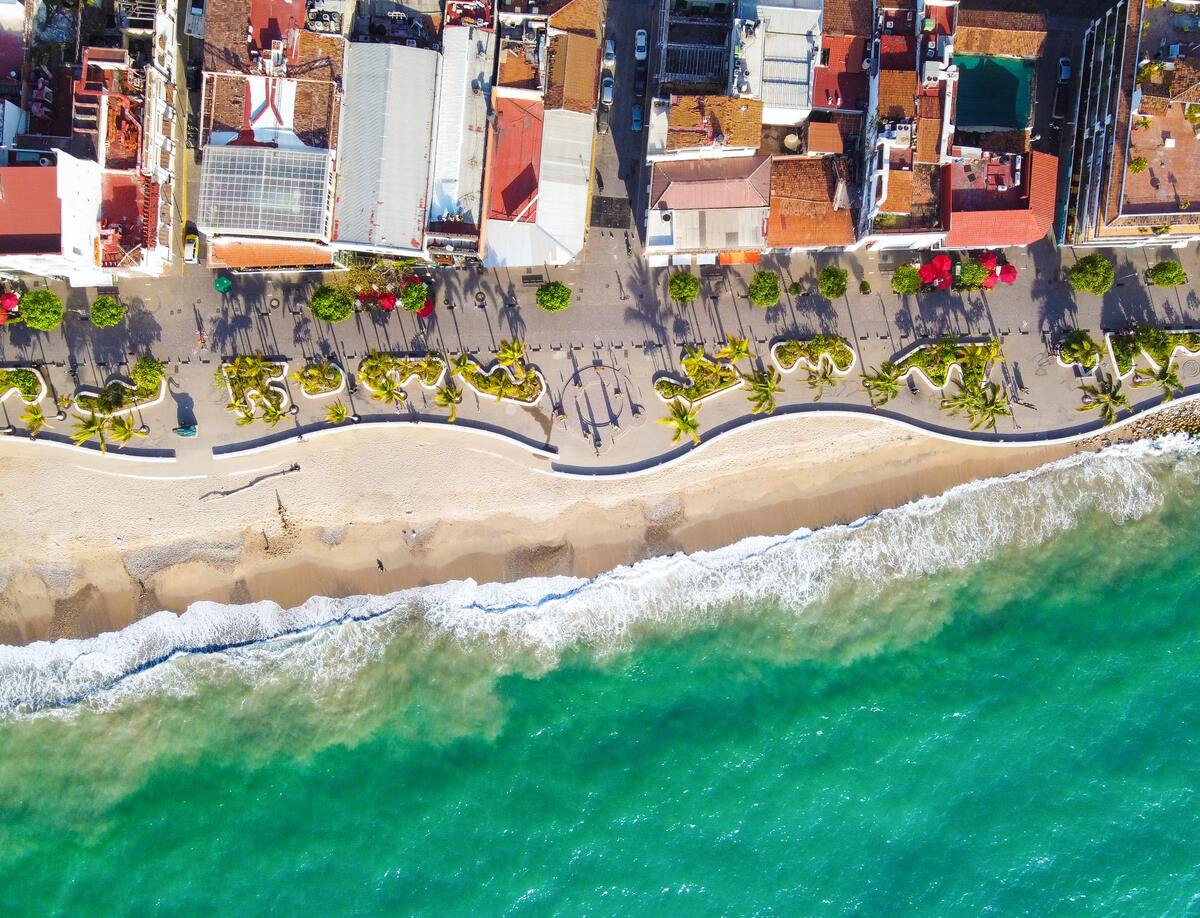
641,46
607,87
610,54
191,248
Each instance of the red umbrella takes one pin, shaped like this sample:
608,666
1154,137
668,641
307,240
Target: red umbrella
988,260
990,281
1008,273
928,274
942,264
387,300
8,301
945,282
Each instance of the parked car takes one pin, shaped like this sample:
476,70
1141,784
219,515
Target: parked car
635,117
610,54
607,87
602,120
1064,70
641,45
639,78
191,248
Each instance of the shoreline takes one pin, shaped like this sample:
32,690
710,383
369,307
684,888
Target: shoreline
398,513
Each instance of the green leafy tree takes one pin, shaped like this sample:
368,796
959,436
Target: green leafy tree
684,287
337,413
681,418
331,304
763,386
1164,377
413,296
764,289
832,281
122,430
971,275
1092,274
449,397
882,385
553,296
42,310
906,281
147,373
1106,397
107,312
1167,274
89,428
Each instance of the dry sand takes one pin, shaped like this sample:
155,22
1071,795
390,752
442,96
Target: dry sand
93,547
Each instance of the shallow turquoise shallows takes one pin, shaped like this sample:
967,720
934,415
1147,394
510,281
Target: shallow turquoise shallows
985,702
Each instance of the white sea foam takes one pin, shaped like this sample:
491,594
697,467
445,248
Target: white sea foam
324,639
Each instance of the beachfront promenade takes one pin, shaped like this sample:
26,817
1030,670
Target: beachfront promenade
600,357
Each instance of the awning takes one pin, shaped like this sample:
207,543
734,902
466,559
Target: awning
739,258
681,259
658,261
708,259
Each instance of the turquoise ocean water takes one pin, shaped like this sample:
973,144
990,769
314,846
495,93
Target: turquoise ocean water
986,702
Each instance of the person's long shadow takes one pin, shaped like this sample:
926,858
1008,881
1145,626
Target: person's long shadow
185,406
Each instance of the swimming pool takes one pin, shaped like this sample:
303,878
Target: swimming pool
993,92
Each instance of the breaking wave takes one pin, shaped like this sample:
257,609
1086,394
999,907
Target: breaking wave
328,638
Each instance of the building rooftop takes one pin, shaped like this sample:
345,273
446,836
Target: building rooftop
250,254
899,198
810,203
238,33
244,109
573,73
995,204
897,94
1000,33
696,184
515,160
848,17
823,137
841,81
384,163
775,58
30,211
264,191
1172,154
695,121
929,127
580,17
897,52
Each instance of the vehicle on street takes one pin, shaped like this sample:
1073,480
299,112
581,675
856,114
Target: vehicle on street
607,87
602,121
610,54
635,117
641,45
639,78
191,248
1064,70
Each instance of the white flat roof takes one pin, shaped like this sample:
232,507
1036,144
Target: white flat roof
468,58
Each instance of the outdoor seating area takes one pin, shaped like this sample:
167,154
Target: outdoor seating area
992,182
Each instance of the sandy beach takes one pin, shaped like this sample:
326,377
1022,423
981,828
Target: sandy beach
101,544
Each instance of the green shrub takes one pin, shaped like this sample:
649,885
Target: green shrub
42,310
331,304
24,381
906,280
413,297
684,287
553,296
764,289
790,352
107,312
1167,274
1092,274
971,275
1080,347
831,281
864,287
1138,164
794,288
147,373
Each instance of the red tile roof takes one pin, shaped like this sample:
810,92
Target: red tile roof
1017,226
702,184
898,52
30,211
842,82
803,193
847,17
514,160
262,253
897,94
824,137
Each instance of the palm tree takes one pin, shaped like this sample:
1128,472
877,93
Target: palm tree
966,400
448,397
512,354
735,349
122,429
245,414
337,413
463,365
34,419
992,405
89,427
374,367
821,379
882,385
1106,397
504,384
389,391
682,418
272,414
763,386
1165,377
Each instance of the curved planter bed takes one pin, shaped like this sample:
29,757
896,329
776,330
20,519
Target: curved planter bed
337,390
1175,352
43,389
733,386
403,380
252,396
135,405
530,371
951,367
808,364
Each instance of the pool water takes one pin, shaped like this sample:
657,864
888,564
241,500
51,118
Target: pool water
993,92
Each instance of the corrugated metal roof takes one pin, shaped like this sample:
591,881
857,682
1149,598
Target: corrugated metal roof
720,229
468,56
387,131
